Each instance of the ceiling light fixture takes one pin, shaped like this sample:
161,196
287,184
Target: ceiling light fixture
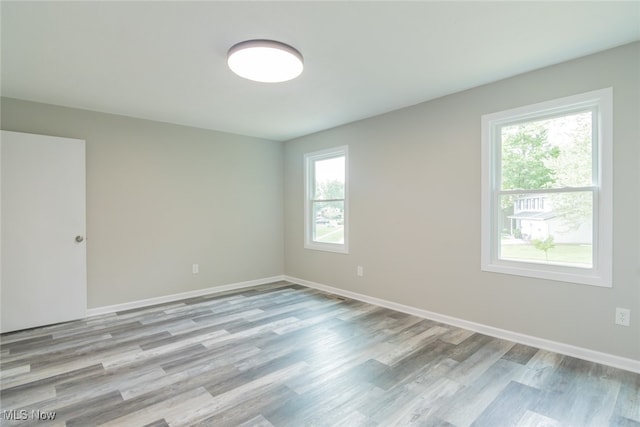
265,61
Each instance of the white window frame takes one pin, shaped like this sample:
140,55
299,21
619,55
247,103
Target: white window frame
309,183
601,102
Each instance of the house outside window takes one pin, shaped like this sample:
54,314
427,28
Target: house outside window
547,190
326,207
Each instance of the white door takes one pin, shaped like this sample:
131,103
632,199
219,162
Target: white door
43,255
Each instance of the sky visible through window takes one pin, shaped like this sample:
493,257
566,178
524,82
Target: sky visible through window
330,170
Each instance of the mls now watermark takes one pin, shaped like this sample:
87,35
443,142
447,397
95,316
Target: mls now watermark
26,415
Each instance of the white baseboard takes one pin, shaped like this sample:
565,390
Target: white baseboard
180,296
557,347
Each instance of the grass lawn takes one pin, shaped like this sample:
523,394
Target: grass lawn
329,234
563,253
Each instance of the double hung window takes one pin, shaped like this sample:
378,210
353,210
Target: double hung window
326,213
547,190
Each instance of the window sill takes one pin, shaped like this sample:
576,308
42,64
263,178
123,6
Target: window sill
582,276
327,247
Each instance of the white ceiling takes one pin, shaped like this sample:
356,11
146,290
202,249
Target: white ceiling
166,61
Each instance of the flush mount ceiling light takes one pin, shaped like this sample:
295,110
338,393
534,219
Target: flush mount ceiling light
265,61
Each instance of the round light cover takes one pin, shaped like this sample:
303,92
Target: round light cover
265,61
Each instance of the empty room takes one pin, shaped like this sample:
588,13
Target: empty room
319,213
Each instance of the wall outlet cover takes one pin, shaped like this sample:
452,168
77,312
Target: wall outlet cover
623,316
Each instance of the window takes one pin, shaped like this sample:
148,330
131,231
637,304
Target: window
547,190
326,200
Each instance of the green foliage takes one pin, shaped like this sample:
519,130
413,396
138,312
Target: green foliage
574,169
327,190
544,245
525,154
573,209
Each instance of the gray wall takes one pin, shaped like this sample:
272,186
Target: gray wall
161,197
415,211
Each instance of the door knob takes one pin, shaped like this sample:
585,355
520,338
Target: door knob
79,239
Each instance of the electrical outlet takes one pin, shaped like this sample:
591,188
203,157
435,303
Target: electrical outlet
195,269
623,316
360,271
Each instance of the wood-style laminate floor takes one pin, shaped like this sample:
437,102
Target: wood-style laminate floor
285,355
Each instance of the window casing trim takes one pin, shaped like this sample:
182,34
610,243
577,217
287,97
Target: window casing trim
309,182
601,103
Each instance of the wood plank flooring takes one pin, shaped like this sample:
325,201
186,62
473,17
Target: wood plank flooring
285,355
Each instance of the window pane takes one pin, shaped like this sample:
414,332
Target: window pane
328,222
550,153
329,178
552,228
